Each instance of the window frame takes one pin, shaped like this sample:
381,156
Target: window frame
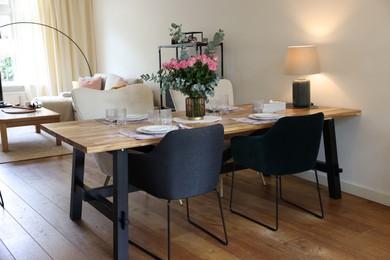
6,11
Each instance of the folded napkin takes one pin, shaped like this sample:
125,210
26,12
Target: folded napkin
104,121
254,121
140,136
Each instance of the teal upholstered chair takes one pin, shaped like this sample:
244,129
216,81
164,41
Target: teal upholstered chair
290,146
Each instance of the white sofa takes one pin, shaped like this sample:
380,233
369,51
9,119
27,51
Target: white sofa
63,104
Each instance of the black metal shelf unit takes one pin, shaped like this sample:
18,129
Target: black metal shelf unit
198,47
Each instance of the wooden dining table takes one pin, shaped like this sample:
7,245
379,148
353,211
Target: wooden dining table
93,136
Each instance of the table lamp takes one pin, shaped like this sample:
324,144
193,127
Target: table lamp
302,61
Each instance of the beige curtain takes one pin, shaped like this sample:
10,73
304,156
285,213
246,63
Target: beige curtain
65,61
30,62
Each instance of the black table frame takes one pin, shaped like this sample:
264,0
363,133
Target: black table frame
331,164
117,211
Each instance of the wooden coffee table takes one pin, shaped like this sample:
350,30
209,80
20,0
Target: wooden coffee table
11,117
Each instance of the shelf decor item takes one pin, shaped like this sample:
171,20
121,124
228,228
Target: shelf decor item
194,76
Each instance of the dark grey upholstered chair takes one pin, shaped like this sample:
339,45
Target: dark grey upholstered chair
290,146
186,163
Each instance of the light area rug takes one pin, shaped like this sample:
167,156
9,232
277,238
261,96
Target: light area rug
25,144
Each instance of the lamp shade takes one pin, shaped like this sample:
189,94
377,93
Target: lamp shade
302,60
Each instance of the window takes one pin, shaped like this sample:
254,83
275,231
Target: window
6,54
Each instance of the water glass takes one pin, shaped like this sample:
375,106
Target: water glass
154,116
166,116
215,105
224,108
111,116
122,115
258,106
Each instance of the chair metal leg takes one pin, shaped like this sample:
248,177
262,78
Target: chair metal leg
169,228
190,221
224,242
221,185
144,250
251,219
1,200
262,178
168,234
302,208
107,180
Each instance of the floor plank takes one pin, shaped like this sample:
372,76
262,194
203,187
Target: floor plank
4,252
36,195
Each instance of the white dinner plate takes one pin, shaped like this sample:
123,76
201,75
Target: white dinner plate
136,117
265,116
156,129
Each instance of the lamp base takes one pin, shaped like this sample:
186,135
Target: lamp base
301,93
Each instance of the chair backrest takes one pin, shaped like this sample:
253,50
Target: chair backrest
178,100
91,103
184,164
290,146
224,87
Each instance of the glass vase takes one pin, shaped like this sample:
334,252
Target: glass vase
195,108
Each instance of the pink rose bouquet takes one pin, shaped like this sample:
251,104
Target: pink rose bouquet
195,76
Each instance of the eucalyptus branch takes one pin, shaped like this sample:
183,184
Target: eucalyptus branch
217,40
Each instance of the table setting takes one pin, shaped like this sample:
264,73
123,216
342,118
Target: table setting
159,122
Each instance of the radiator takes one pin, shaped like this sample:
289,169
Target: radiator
14,94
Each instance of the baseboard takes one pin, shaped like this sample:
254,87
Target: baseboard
351,188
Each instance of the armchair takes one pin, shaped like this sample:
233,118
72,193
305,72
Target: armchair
185,164
289,147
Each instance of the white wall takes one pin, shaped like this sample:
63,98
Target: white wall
354,47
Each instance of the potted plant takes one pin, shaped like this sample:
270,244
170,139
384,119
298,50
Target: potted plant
194,76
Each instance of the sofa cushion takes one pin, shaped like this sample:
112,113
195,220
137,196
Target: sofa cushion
90,82
120,84
110,80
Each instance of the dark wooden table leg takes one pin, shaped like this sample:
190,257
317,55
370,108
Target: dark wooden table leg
120,200
76,194
331,164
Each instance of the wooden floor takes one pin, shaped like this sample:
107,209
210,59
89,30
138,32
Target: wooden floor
35,223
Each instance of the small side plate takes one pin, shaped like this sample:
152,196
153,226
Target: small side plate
156,129
265,116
